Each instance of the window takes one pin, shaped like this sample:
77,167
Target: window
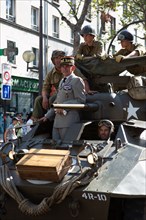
35,18
11,57
36,60
105,18
72,37
113,49
10,10
113,24
55,27
125,8
135,30
88,17
56,2
73,6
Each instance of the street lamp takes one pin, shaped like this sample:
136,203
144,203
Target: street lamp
28,57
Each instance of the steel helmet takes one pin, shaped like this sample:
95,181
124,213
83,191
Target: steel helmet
106,123
87,30
57,53
125,35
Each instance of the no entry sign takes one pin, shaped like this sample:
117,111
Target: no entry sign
6,73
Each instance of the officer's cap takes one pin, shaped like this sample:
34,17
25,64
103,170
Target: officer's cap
68,60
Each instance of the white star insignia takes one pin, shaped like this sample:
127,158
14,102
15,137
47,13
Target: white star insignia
131,111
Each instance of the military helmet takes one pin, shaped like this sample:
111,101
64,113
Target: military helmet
57,53
106,123
125,35
87,30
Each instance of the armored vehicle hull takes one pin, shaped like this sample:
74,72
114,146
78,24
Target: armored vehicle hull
104,180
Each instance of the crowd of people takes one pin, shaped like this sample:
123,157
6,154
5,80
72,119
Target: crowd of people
65,83
18,127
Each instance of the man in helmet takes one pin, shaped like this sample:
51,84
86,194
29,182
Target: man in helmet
52,80
129,49
90,47
105,129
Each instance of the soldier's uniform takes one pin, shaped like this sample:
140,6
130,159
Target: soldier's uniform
90,51
136,70
126,35
134,46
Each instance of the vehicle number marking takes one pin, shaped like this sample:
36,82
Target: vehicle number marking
91,196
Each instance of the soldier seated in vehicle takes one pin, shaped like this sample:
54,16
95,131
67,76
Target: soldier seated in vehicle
105,129
130,49
90,47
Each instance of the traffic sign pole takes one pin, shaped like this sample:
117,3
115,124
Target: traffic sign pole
6,88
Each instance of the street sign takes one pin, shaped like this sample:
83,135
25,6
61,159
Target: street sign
6,73
6,92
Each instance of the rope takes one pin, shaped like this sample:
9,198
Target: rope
59,194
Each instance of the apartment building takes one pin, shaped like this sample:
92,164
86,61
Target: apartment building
19,27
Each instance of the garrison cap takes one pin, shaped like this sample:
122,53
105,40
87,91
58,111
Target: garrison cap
68,60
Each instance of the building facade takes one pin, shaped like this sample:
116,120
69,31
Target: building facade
19,28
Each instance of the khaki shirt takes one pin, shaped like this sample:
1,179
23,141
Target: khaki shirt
136,70
95,50
137,47
54,77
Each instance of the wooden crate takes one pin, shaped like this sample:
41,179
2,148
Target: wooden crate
44,164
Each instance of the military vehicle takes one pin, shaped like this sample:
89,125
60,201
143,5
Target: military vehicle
103,180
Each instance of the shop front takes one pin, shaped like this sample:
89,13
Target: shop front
24,92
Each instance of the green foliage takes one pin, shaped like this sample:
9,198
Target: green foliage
132,10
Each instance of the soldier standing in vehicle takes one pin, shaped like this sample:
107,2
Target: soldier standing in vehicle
105,129
53,78
71,91
90,47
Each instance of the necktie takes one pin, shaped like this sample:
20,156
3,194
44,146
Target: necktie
64,79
